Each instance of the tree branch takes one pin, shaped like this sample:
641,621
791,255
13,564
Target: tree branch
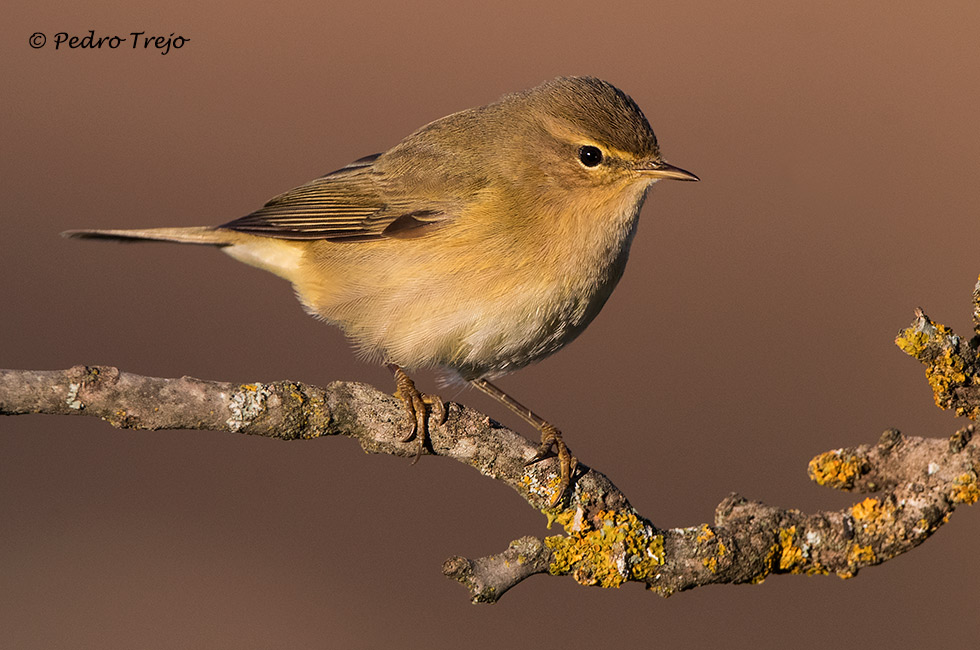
919,481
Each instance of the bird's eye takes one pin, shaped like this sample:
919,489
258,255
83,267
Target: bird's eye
589,155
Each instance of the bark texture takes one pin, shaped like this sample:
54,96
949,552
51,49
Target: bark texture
917,482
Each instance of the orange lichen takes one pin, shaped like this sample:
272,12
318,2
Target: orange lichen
837,470
965,489
705,533
710,545
617,546
767,563
859,555
945,373
912,341
873,514
791,557
937,347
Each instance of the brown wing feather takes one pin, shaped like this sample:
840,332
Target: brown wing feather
345,205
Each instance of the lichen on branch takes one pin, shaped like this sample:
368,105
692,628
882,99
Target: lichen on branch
917,482
952,362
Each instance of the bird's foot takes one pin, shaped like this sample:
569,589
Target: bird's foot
417,405
551,437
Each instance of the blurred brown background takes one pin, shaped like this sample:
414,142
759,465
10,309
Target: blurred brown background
839,152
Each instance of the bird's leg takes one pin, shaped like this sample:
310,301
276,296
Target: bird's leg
417,405
550,435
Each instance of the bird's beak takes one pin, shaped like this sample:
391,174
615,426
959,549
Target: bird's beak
660,169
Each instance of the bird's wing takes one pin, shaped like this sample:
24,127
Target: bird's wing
346,205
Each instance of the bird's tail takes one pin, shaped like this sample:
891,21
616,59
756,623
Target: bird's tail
277,256
198,235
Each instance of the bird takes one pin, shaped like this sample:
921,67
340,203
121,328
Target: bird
482,242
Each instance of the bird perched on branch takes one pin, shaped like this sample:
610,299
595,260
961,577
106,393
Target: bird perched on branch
482,242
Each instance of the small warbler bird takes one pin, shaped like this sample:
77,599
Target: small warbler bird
482,242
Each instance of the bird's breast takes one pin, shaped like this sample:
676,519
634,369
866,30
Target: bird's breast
481,303
549,290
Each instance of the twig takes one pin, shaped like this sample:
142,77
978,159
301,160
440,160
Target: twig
919,481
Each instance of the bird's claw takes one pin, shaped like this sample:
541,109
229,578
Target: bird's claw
417,405
551,437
